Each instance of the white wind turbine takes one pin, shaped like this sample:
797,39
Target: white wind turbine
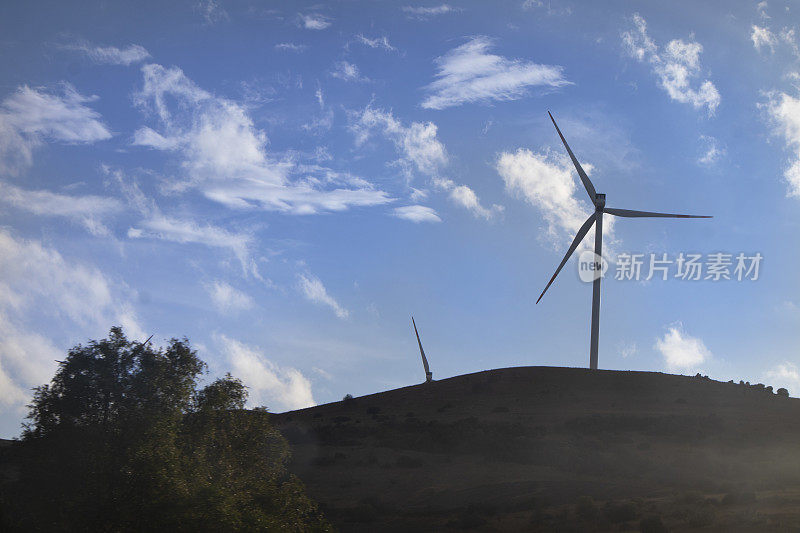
428,373
599,201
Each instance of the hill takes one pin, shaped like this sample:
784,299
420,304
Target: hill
543,448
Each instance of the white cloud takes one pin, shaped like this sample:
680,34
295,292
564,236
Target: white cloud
314,291
320,97
314,22
763,37
419,148
211,11
761,7
291,47
36,282
155,225
112,55
228,299
711,151
224,155
465,197
417,213
469,73
784,113
547,181
424,13
417,144
30,116
268,384
784,375
377,42
676,67
321,123
681,351
186,231
627,349
537,4
88,211
347,71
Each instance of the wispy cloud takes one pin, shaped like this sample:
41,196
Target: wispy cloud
312,288
291,47
88,211
420,150
181,230
31,116
427,12
547,6
711,151
211,11
111,55
417,213
465,197
417,143
470,74
681,351
314,22
377,42
37,280
784,375
344,70
224,155
227,299
784,114
268,383
187,231
676,66
763,38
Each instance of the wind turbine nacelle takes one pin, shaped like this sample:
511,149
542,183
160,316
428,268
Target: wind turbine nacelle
600,200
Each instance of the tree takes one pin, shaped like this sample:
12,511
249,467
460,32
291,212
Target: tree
122,439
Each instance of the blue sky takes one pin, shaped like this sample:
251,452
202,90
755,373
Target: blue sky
287,183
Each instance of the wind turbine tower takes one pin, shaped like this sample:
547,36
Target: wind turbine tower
599,201
428,373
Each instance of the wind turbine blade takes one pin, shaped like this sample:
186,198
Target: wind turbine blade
421,351
584,178
637,214
575,242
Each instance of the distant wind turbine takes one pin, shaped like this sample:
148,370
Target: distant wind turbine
428,373
599,201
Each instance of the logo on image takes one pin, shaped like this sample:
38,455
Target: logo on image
591,266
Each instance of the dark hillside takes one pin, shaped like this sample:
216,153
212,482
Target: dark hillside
538,448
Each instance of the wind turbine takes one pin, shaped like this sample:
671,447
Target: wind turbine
428,373
599,201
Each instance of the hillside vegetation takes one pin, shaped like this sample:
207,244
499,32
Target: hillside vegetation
542,449
124,439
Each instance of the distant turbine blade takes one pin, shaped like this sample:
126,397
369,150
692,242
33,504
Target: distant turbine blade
637,214
584,178
428,374
575,242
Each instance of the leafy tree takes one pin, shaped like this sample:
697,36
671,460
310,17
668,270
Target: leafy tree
122,439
